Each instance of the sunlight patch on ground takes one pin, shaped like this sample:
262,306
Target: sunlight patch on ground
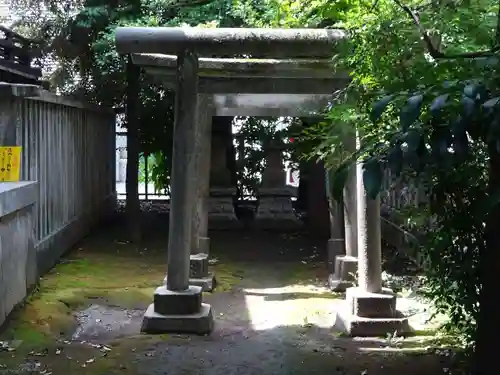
295,305
419,313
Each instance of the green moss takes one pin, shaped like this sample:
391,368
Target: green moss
304,274
126,281
323,295
120,276
228,275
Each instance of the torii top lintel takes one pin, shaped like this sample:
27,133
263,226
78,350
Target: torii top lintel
217,42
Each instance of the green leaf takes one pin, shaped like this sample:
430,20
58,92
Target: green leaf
439,103
440,141
468,105
411,111
395,160
379,107
459,125
413,160
461,144
475,91
338,181
413,138
372,177
471,90
491,103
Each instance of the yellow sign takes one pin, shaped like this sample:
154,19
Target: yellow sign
10,164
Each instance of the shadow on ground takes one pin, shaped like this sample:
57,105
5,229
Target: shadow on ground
272,310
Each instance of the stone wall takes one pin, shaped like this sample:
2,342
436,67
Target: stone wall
18,260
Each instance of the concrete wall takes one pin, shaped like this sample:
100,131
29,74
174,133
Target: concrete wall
18,260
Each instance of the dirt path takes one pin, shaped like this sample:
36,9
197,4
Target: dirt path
272,317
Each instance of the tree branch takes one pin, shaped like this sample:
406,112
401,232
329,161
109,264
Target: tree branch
190,3
435,52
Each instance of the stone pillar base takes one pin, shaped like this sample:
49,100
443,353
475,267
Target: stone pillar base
221,214
178,312
199,275
276,211
344,276
371,314
335,247
207,284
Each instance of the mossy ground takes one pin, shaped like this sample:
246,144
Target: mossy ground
112,272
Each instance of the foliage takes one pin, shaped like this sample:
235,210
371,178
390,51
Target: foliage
77,41
254,133
435,118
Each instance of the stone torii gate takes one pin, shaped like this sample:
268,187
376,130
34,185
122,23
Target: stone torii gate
206,86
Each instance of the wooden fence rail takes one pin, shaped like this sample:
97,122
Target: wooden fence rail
69,149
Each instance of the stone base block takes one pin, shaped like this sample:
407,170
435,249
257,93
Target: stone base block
371,305
344,276
221,214
169,302
276,212
207,284
201,322
371,314
370,327
335,248
198,265
338,285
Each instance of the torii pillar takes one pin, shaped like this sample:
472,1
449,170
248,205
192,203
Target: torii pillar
177,305
345,264
369,308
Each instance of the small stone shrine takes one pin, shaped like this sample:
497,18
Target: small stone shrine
275,208
221,214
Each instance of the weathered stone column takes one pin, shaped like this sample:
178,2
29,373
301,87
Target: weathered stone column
200,246
369,241
177,306
370,310
318,222
275,205
336,245
346,265
221,214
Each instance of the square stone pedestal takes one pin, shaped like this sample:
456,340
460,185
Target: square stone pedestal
275,210
178,312
221,214
207,283
335,247
344,276
371,314
198,272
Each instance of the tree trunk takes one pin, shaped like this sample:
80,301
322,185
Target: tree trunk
488,329
133,208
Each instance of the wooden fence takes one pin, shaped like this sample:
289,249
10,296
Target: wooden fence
69,148
399,195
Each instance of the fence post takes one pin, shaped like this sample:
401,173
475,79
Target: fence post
133,207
